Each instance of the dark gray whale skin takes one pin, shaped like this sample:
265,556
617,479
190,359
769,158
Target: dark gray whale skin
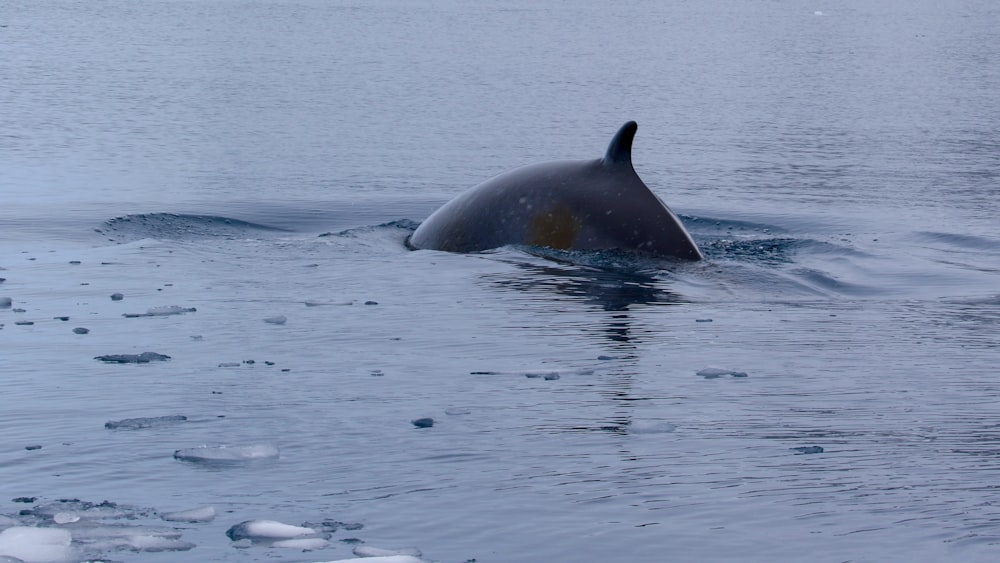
569,204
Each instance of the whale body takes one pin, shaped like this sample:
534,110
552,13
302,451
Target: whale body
597,204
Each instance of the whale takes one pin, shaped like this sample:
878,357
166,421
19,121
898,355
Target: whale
594,205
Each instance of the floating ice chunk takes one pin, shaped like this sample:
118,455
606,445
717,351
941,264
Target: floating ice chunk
650,427
267,530
324,303
386,559
306,544
423,422
371,551
194,515
457,411
227,454
36,544
808,449
712,373
143,358
157,543
533,374
65,518
161,312
279,320
5,302
144,422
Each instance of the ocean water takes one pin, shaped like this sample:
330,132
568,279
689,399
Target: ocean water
245,173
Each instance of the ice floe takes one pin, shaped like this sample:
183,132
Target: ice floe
228,454
143,358
32,544
305,544
143,422
161,312
372,551
713,373
267,530
193,515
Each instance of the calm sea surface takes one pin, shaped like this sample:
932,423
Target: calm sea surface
838,163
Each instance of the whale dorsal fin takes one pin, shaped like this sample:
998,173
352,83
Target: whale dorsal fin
620,149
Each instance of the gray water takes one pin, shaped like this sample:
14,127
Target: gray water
838,163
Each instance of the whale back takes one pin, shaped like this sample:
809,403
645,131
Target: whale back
597,204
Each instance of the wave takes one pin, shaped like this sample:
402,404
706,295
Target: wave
173,226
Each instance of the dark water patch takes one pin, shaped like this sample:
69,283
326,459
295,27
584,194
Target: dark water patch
174,226
611,290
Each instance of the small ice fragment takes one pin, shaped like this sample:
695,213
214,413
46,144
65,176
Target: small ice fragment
36,544
143,422
605,358
75,262
196,337
703,320
65,518
371,302
60,318
808,449
305,544
386,559
169,310
33,447
652,427
227,454
371,551
266,530
423,422
24,323
5,302
550,376
230,365
194,515
457,411
712,373
161,312
279,320
81,330
143,358
818,13
117,297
